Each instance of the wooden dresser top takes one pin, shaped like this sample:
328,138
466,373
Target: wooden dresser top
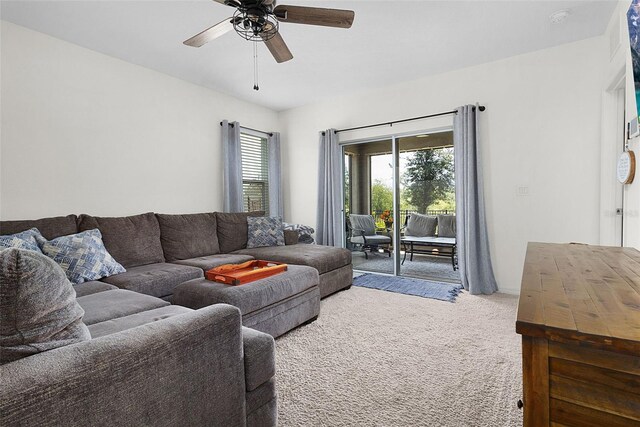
587,295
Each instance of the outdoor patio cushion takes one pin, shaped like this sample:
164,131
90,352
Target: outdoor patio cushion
188,236
93,287
362,225
376,239
109,305
50,228
212,261
157,280
446,226
322,258
233,230
112,326
132,240
420,225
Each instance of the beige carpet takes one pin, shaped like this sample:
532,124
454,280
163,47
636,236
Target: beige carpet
375,358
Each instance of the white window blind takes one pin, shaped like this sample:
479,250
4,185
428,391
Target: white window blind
255,172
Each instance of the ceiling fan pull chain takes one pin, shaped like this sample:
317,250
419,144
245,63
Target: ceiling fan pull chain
255,66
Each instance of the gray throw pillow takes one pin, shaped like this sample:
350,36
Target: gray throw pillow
265,231
420,225
446,226
38,308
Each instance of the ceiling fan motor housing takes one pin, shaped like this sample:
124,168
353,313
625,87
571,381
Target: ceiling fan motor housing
255,21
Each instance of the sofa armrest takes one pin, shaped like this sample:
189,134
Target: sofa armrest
184,370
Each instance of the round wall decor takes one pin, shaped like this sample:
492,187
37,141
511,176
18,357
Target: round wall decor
626,167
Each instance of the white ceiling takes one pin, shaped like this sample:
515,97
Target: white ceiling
390,41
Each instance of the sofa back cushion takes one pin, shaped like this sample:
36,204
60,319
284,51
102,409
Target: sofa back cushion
50,228
188,236
38,308
233,230
131,240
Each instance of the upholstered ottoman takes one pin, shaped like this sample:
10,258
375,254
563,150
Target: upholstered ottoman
274,305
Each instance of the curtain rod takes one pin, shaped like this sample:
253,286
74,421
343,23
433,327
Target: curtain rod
255,130
446,113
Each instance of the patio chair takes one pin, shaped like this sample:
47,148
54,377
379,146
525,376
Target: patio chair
363,235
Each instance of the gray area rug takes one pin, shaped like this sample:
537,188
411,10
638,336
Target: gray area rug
409,286
376,358
422,266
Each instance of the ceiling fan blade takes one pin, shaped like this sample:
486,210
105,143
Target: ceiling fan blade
278,48
210,33
314,16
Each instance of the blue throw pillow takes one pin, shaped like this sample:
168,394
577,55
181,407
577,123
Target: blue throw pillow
23,240
82,256
264,231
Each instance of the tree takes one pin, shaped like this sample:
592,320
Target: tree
428,177
381,197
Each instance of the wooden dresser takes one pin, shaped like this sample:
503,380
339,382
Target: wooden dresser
579,317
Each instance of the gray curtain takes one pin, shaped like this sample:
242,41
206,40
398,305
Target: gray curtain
231,167
276,203
329,215
474,259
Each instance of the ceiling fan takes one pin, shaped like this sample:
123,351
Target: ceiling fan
258,20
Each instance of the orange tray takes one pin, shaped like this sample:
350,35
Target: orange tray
247,272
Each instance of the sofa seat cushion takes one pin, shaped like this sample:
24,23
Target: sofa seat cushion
93,287
322,258
259,357
107,305
132,240
157,280
112,326
212,261
249,297
188,236
50,228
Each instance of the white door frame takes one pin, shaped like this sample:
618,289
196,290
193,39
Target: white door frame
612,143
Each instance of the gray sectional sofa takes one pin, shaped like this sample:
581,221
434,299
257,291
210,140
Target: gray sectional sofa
151,362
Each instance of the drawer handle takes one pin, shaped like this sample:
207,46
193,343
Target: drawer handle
520,404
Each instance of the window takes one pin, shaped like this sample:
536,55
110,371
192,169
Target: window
255,171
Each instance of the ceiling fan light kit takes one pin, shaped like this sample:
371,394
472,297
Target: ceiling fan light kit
258,20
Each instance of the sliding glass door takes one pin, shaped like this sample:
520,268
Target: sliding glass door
368,205
385,183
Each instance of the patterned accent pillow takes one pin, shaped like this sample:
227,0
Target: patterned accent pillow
82,256
23,240
264,231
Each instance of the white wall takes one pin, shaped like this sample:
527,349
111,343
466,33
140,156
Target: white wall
541,130
86,133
